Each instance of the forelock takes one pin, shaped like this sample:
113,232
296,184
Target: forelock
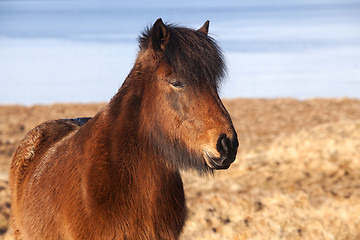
194,56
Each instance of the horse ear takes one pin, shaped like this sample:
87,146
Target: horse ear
205,27
159,35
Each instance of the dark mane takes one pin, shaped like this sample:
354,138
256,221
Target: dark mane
193,55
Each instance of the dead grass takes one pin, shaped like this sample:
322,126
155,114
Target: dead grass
297,175
305,186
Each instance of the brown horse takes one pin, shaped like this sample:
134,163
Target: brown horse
116,175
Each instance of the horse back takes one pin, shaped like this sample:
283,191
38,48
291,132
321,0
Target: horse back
35,144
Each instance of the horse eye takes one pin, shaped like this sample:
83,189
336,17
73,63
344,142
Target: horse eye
177,84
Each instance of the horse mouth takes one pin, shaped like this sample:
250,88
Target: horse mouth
213,162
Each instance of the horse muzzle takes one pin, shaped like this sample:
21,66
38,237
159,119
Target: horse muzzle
227,148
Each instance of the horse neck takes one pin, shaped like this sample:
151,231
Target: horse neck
130,170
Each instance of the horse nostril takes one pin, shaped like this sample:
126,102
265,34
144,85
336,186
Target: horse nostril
223,145
227,148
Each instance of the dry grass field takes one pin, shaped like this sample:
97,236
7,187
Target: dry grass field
297,174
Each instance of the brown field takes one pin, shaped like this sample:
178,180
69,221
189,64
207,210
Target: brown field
297,174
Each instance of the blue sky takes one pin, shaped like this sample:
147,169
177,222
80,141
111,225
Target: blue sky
81,51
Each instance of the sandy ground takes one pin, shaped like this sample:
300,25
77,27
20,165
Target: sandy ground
297,174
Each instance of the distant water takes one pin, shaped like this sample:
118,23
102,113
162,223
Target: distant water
81,51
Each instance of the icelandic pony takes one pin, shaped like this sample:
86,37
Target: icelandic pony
116,175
